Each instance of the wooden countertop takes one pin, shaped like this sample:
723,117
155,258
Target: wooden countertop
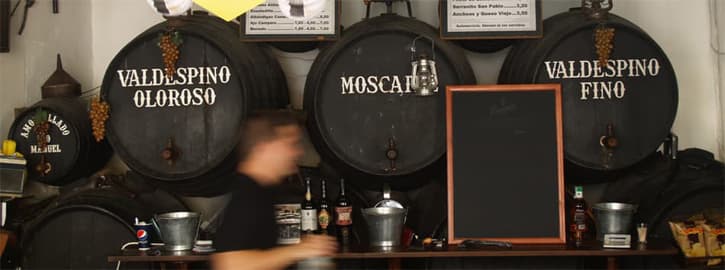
652,249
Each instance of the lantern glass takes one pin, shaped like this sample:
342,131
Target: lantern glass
425,76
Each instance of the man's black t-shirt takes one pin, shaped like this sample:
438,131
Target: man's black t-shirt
248,220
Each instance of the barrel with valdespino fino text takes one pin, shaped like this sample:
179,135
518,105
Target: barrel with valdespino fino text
616,114
181,131
69,150
364,118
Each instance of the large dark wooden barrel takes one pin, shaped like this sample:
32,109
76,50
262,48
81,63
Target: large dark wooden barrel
71,150
359,100
79,231
635,94
196,115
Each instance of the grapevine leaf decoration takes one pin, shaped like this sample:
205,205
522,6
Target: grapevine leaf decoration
169,43
177,39
40,116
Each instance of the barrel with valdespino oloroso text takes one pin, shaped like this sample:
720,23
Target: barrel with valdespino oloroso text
181,129
620,93
55,137
363,116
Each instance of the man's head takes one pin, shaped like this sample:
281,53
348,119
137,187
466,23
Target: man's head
270,144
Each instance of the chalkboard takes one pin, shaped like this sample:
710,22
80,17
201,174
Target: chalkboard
505,163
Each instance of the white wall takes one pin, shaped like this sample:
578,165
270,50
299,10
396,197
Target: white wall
32,56
115,23
717,15
681,27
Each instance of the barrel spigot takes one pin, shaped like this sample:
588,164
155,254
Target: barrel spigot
43,167
392,155
608,142
170,152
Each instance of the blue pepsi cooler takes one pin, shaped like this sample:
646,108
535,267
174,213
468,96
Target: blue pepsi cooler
143,233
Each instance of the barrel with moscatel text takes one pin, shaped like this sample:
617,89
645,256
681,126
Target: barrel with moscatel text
364,118
67,150
181,130
615,114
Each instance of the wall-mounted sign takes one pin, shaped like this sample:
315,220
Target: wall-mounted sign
490,19
291,20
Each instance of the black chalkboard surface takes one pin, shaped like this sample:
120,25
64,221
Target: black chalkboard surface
505,160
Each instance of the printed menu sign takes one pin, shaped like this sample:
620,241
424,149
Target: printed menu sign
268,22
472,19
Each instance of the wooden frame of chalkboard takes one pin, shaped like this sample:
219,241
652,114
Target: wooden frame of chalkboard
244,36
512,185
447,34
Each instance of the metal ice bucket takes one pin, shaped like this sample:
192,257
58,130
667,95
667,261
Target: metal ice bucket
177,229
613,218
385,225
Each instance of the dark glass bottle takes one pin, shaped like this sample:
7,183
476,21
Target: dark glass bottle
343,217
309,212
323,215
579,219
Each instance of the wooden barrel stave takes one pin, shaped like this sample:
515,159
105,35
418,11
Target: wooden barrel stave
79,230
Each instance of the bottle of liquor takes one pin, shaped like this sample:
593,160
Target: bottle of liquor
309,213
343,217
579,219
323,216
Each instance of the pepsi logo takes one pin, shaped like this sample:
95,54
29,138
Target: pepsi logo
141,234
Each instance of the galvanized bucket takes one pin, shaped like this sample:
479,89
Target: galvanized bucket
613,218
178,230
385,225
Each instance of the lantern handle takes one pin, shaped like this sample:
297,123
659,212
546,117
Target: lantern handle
413,50
388,6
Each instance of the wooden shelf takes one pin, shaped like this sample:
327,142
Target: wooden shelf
450,252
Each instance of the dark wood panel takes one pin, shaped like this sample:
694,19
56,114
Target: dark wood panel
4,25
653,249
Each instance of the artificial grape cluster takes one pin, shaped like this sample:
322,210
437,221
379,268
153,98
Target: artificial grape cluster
41,129
99,115
169,43
603,37
41,134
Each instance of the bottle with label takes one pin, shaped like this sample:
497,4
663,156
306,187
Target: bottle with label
343,217
579,219
309,212
323,216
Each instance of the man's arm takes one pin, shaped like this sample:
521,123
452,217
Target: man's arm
275,258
